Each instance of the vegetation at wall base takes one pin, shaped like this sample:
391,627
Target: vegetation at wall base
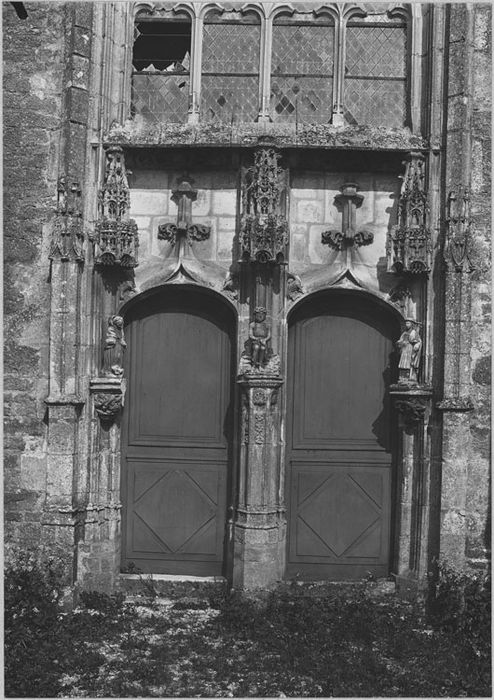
299,641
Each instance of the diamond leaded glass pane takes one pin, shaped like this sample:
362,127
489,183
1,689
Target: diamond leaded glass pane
160,97
375,75
302,73
230,72
302,49
375,51
375,102
231,48
227,98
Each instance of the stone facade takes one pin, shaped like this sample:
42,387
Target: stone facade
82,170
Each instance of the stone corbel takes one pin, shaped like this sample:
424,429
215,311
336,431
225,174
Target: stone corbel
412,405
108,397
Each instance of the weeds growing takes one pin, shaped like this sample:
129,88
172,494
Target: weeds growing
307,641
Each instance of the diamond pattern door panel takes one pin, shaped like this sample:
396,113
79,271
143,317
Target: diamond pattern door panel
177,435
339,447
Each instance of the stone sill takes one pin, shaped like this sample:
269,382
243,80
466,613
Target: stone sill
173,578
139,133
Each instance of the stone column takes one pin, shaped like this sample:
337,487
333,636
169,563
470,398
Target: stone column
259,527
413,405
259,536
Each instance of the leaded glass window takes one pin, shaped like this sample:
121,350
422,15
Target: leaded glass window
375,90
230,67
161,70
302,69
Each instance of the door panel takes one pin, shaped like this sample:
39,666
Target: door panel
177,436
338,440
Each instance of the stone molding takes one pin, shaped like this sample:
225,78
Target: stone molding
456,404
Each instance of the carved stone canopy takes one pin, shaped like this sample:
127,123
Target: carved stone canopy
409,244
116,236
264,228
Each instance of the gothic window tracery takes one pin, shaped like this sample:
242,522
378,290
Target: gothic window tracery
345,64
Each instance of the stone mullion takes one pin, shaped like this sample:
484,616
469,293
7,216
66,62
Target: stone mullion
196,68
265,67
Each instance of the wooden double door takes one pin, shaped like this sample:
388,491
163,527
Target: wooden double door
177,433
339,438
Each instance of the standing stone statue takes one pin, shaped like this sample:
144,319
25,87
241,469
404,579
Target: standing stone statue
410,346
259,334
114,347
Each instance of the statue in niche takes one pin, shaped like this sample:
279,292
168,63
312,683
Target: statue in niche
114,347
259,335
410,346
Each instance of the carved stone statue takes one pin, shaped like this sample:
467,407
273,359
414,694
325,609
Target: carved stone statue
410,346
114,347
259,335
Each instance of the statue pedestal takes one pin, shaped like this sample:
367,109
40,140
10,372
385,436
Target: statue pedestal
259,521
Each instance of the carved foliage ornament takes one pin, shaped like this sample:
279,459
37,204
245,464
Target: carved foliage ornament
264,230
116,236
349,200
412,410
107,406
183,196
68,234
458,231
409,246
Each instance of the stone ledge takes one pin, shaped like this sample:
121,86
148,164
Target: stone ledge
139,133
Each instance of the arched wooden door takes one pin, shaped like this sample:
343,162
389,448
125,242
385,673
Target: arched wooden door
177,433
339,446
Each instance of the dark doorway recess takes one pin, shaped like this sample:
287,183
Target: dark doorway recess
340,453
177,432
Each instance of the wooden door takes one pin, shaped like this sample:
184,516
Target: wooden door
339,439
177,434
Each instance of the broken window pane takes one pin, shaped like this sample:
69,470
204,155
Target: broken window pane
230,67
302,71
161,62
